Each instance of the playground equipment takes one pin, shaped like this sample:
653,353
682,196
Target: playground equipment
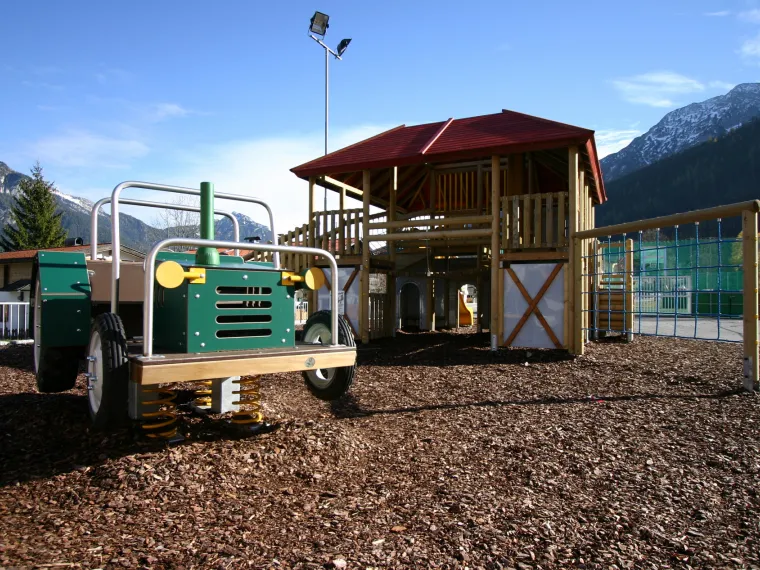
215,320
466,318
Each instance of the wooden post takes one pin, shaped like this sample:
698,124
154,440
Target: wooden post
479,261
391,276
364,284
751,330
342,222
430,302
582,199
312,295
629,289
575,257
495,273
446,303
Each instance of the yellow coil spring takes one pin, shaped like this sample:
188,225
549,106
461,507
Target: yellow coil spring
165,417
249,401
203,395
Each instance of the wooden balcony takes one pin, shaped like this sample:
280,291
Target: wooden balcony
533,223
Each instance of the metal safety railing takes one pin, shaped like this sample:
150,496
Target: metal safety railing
150,276
15,320
163,205
116,238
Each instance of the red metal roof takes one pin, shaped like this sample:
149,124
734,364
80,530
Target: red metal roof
31,253
456,139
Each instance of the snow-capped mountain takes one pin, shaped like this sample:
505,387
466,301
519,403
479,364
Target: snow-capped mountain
684,128
135,233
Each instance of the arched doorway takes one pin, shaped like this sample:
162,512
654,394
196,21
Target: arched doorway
409,306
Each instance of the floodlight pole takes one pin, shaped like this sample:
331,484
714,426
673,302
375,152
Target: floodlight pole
328,52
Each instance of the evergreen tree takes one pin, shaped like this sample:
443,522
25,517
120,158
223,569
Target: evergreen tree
35,224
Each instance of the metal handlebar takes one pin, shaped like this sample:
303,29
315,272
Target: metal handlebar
150,276
116,238
182,207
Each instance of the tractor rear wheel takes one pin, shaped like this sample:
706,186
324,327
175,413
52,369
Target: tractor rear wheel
55,367
107,372
328,383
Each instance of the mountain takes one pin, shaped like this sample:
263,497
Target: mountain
684,128
134,232
9,179
713,173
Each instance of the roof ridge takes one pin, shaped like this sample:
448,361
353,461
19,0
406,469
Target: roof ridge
335,152
435,137
543,120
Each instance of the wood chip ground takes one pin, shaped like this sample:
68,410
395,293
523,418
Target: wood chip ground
641,455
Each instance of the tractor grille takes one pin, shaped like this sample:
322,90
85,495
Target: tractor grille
243,312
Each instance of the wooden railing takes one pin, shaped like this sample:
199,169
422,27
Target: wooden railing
532,221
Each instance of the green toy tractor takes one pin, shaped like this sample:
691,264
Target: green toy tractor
218,321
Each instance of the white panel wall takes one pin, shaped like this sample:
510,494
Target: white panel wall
348,302
552,305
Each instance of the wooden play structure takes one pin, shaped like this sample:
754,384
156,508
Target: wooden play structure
490,201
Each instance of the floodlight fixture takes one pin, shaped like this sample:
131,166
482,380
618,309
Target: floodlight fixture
318,27
319,23
343,45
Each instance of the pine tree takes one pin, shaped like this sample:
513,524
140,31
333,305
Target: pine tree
35,224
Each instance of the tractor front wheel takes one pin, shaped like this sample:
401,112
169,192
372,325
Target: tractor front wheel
328,383
107,372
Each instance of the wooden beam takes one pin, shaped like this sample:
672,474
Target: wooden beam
751,311
726,211
449,221
311,296
440,234
364,284
576,256
430,302
391,277
495,273
189,368
534,255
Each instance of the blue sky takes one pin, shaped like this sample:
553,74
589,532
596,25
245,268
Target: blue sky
232,91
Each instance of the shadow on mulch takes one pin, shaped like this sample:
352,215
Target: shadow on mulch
350,407
43,435
443,349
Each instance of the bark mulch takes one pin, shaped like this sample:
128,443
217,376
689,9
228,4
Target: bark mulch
641,455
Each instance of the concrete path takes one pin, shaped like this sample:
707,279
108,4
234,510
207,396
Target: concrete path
684,326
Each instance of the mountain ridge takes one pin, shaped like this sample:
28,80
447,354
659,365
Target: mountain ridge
716,172
685,127
135,233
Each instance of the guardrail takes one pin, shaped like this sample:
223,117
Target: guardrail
150,277
15,320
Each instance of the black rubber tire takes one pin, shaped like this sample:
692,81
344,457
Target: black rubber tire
112,412
58,369
343,377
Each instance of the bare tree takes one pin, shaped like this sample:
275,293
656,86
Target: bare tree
179,223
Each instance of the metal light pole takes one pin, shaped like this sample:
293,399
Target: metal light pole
318,26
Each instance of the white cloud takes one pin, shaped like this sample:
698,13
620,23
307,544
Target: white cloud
751,48
656,89
81,148
106,75
611,141
719,14
261,168
724,85
162,111
752,16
